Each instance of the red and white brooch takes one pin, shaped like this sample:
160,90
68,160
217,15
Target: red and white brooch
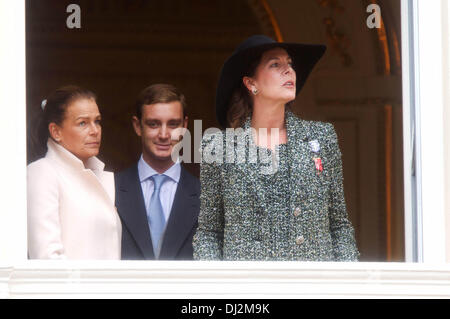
315,147
318,163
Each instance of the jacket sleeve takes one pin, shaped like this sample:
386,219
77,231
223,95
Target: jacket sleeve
342,232
44,230
208,240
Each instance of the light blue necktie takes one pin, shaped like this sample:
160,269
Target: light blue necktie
155,213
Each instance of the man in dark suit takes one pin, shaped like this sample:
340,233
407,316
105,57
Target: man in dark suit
157,199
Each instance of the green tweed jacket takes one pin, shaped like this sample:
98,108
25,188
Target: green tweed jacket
236,219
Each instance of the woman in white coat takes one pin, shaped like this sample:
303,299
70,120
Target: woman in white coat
71,212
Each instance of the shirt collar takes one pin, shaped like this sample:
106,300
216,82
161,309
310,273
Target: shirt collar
145,171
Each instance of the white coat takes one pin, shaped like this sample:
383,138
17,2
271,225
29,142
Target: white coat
71,212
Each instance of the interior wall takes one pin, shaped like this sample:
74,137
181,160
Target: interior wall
124,46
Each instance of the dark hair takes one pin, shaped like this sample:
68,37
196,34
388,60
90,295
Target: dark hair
54,111
241,103
159,93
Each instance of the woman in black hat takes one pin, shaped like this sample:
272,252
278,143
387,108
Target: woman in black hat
271,182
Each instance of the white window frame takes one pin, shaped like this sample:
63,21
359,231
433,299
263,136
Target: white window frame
423,91
13,223
423,129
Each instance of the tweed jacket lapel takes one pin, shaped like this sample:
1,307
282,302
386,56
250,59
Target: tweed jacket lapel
299,155
301,158
302,169
249,168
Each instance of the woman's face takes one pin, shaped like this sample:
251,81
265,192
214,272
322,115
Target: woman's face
274,77
80,132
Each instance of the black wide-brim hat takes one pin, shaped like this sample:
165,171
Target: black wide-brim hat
304,57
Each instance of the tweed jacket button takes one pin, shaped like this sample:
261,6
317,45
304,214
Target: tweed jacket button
300,240
297,212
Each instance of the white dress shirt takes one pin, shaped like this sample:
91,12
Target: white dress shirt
168,188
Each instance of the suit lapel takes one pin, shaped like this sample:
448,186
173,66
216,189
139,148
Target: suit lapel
183,217
132,211
301,157
249,169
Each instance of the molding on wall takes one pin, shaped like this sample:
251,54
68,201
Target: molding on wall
266,18
161,279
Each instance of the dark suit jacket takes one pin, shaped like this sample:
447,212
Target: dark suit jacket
181,226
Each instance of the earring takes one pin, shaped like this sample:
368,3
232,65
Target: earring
255,91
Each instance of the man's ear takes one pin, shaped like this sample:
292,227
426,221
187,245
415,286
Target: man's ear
185,124
136,125
55,132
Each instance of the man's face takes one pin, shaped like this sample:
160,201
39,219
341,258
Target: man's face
159,129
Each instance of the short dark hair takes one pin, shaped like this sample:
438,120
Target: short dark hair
159,93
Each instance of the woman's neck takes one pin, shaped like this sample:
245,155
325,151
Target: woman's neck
268,116
269,124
